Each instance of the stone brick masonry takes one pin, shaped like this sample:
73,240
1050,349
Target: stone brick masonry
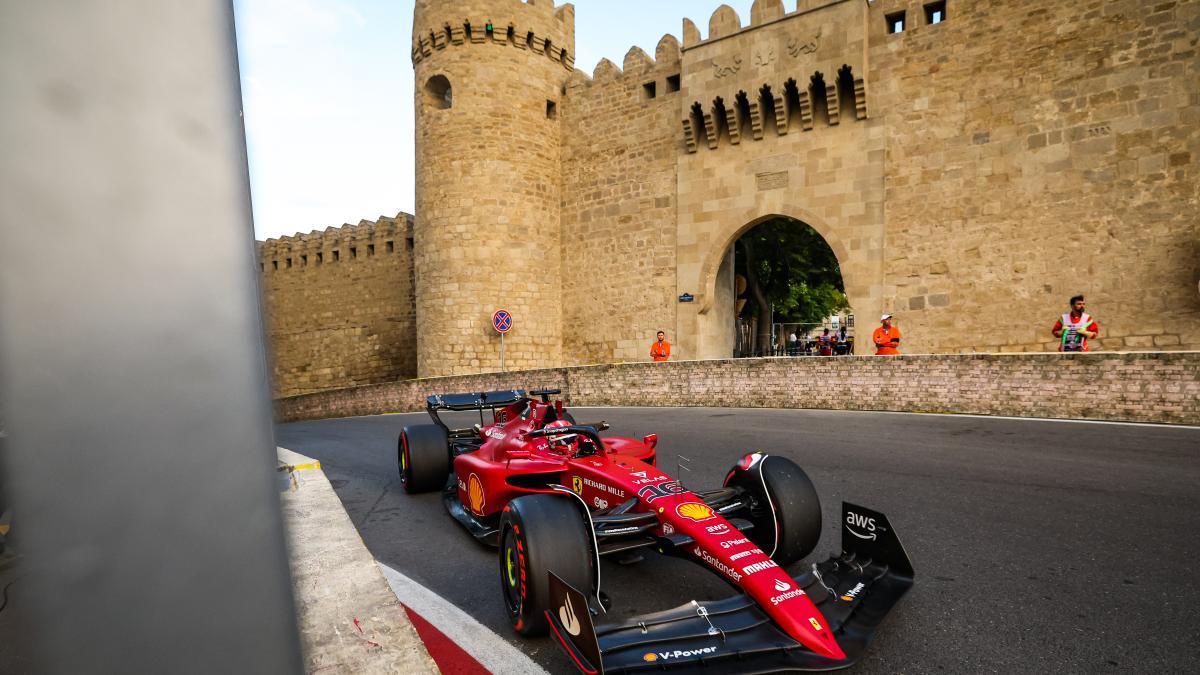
1137,387
970,175
339,306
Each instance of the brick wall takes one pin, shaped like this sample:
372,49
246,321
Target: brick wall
619,133
1036,150
488,186
339,306
1139,387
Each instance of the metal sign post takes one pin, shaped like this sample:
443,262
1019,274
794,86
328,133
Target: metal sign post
502,321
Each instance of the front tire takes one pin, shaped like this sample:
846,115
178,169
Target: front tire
540,534
787,514
423,458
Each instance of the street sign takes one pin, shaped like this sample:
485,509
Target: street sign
502,321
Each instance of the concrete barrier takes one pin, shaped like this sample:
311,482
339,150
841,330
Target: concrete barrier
1161,387
350,621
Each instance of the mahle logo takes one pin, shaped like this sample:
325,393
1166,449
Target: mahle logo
759,566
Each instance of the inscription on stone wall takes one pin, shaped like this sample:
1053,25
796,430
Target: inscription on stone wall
771,180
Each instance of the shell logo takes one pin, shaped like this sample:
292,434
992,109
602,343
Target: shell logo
694,511
475,497
650,657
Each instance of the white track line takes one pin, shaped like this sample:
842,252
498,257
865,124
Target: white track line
489,649
1151,425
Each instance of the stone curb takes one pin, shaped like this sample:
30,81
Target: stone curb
350,621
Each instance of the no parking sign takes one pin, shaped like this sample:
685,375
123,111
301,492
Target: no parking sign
502,321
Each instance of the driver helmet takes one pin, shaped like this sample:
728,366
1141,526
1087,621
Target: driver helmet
564,443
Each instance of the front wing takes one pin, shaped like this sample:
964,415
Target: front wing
854,591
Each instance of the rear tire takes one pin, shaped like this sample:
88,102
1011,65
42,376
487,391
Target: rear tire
540,534
423,458
787,516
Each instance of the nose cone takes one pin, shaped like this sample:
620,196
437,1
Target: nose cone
809,627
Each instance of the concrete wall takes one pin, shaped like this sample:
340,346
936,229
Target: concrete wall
339,306
1141,387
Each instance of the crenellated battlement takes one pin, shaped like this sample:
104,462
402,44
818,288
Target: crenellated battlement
637,62
534,25
346,244
725,21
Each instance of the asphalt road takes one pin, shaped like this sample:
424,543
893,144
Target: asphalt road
1039,546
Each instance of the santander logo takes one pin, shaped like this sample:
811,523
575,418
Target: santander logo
781,585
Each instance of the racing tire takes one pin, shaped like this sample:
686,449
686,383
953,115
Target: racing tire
423,458
540,534
787,514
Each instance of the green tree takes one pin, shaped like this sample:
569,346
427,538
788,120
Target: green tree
788,268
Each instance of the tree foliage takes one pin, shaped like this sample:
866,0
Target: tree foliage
795,270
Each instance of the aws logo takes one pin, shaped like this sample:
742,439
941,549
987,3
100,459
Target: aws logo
860,526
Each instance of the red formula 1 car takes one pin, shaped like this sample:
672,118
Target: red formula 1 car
555,497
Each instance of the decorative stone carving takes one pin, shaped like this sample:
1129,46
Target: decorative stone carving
727,68
764,56
799,46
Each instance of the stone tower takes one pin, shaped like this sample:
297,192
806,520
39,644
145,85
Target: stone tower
489,78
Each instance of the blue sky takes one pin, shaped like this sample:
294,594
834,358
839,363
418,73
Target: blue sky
327,90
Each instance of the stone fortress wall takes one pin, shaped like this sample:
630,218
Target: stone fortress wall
340,306
970,175
488,226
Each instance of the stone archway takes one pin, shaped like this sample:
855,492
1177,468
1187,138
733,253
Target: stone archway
705,327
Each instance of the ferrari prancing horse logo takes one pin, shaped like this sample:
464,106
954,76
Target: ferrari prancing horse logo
577,484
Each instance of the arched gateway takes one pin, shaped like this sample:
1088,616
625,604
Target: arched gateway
710,270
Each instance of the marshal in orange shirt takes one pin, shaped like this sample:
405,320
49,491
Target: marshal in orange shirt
660,351
888,338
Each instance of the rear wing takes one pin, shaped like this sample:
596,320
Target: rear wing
484,400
